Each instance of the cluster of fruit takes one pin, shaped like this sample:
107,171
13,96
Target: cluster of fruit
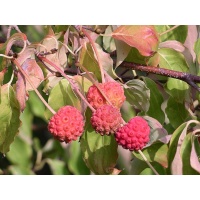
68,123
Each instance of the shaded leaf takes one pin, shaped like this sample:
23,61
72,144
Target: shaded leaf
62,95
99,152
75,162
9,117
137,94
123,50
88,60
156,100
143,38
20,170
173,44
108,42
158,133
176,112
179,33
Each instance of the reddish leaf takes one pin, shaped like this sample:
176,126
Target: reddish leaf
143,38
35,73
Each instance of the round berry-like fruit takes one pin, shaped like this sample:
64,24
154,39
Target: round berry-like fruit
106,120
67,124
113,91
134,135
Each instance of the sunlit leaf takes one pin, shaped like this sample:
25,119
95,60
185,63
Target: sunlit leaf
62,95
143,38
179,33
9,117
108,42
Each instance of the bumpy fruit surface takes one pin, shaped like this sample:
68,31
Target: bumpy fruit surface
134,135
112,90
67,124
106,120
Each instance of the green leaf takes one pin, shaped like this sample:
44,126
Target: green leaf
108,42
197,50
75,161
179,33
36,106
99,152
176,112
143,38
57,167
127,111
156,100
178,89
185,152
20,170
20,152
9,117
88,60
62,95
136,57
172,59
137,94
157,152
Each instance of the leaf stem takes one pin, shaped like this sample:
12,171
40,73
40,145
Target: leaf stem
172,28
148,163
43,59
32,85
96,52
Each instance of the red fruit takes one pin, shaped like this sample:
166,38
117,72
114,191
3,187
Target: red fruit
67,124
113,91
106,120
134,135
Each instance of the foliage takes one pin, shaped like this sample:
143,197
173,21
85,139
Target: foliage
57,65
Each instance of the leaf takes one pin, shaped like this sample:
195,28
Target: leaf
143,38
175,146
99,152
137,94
158,133
20,152
176,112
190,40
173,60
157,152
88,60
75,162
9,117
173,44
106,61
178,89
185,152
20,170
57,167
156,100
108,42
178,34
136,57
197,50
127,111
62,95
122,50
194,156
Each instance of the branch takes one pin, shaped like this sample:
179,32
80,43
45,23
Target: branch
188,78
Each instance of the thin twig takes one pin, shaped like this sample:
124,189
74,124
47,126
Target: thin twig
43,60
148,163
176,26
32,85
